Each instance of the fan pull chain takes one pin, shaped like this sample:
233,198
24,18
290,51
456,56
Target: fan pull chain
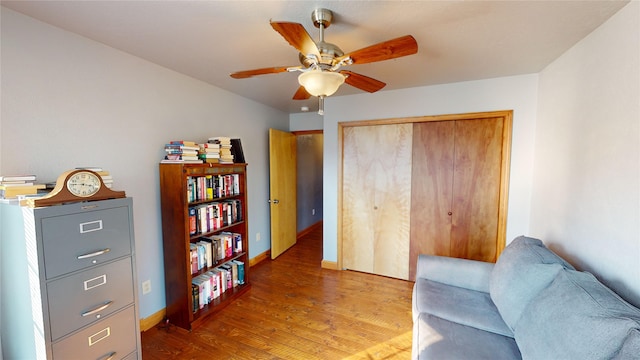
320,105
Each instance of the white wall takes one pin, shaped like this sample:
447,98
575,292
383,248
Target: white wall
305,121
516,93
586,188
68,101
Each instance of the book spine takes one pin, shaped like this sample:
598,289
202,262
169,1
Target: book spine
194,297
209,187
193,227
240,272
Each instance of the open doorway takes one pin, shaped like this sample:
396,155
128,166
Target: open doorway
309,184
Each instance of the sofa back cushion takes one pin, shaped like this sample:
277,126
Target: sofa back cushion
631,347
524,268
577,317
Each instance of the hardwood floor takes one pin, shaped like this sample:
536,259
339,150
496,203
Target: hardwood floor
297,310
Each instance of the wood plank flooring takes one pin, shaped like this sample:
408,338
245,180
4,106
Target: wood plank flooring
297,310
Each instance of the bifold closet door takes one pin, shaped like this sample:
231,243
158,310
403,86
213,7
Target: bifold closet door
456,179
376,199
431,189
476,188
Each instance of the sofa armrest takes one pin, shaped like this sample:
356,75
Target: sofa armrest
464,273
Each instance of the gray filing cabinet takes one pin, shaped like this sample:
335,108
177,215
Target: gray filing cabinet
68,280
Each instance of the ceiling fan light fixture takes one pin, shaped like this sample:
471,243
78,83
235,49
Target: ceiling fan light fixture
321,83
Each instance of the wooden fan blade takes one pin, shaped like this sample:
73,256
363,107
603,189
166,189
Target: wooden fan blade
362,82
249,73
301,94
391,49
297,36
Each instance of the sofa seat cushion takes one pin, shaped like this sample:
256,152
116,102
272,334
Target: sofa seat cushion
524,268
439,339
577,317
460,305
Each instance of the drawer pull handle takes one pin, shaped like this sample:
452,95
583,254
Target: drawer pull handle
105,305
99,252
109,356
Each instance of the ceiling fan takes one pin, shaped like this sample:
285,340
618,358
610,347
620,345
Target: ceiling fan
321,73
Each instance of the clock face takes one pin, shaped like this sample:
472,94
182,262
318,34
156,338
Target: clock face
83,184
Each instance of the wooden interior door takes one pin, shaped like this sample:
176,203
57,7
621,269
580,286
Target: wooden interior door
456,189
376,199
431,189
476,188
282,190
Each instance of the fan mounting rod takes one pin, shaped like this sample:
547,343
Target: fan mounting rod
321,19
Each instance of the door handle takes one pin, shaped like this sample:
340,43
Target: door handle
275,201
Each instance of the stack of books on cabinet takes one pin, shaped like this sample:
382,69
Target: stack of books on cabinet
205,233
12,186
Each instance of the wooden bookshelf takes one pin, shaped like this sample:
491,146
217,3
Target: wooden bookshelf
178,196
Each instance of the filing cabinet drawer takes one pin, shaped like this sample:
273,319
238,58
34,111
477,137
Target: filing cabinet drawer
115,335
80,299
81,240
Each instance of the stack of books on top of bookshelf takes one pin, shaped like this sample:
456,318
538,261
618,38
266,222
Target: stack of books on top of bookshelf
225,148
11,186
181,151
209,152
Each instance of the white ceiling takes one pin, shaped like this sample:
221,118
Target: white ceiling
208,40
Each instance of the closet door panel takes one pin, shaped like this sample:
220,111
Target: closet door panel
476,188
376,199
431,190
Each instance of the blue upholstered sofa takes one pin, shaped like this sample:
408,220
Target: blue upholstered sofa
530,304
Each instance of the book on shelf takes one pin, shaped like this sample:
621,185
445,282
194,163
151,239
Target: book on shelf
183,142
228,278
209,146
222,140
10,192
240,268
216,283
234,273
16,183
180,157
167,161
100,171
181,152
209,156
195,295
25,178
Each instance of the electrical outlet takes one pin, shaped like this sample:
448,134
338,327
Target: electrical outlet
146,287
258,236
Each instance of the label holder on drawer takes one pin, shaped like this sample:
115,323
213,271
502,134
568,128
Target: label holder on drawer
100,335
90,226
95,282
